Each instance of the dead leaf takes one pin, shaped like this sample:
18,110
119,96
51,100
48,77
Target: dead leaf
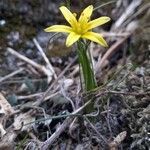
117,140
5,106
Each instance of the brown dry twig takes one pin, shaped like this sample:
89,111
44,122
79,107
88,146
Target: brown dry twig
112,50
127,13
41,68
11,75
45,57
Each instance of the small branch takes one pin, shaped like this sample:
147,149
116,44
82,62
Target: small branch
105,4
45,57
29,96
114,34
11,75
128,12
29,61
111,50
137,13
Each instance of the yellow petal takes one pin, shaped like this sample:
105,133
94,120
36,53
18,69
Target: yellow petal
68,16
96,38
72,38
97,22
58,28
86,14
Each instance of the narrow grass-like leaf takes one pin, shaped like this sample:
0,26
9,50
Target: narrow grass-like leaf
87,71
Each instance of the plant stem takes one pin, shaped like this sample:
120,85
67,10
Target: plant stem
89,82
68,3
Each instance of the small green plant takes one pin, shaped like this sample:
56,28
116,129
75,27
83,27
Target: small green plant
80,31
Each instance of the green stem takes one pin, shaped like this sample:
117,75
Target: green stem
87,71
68,3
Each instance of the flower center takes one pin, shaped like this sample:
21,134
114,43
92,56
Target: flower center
80,28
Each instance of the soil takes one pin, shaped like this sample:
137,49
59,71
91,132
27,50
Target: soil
121,116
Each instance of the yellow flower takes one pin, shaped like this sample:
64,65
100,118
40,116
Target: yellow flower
80,28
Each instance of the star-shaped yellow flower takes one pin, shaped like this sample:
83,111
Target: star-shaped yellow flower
80,28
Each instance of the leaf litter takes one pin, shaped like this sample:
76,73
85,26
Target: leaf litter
41,103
